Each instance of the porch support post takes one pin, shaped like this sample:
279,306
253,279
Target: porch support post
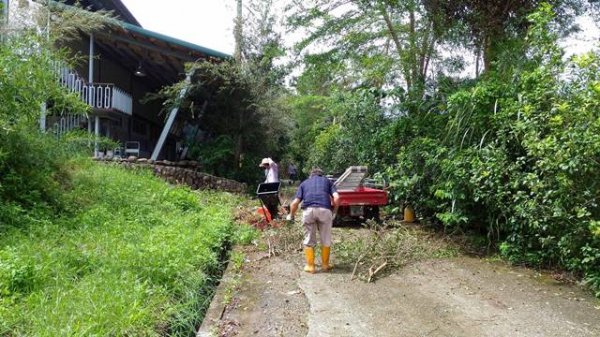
97,135
91,60
171,119
43,117
90,82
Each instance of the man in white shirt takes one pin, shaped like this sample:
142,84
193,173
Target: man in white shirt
271,170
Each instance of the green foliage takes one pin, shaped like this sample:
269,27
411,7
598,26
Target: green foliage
214,154
238,106
518,159
131,256
28,80
344,130
374,43
239,115
310,115
245,234
80,142
32,170
85,249
494,26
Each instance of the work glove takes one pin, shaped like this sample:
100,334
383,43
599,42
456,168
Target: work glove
289,217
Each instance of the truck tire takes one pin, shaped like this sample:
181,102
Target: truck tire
337,222
372,213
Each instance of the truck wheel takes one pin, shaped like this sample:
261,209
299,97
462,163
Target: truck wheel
337,222
372,213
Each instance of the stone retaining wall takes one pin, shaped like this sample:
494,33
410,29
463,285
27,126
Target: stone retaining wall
182,172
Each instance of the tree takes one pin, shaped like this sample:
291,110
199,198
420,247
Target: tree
381,40
491,24
237,105
33,164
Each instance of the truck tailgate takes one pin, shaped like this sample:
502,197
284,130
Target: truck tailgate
363,196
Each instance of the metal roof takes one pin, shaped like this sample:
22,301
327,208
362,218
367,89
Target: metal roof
162,56
116,6
181,43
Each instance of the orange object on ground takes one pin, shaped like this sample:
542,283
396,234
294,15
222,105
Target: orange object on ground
265,212
409,214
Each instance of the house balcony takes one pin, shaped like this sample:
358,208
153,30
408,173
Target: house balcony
101,96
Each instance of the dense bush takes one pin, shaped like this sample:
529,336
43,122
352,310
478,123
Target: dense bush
518,159
31,163
348,136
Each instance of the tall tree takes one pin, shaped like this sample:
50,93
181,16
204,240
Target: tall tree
382,40
236,105
490,24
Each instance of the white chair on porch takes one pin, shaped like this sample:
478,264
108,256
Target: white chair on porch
132,149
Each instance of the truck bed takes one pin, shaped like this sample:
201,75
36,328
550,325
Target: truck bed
363,196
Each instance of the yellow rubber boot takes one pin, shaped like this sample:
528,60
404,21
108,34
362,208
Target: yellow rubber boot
325,251
309,253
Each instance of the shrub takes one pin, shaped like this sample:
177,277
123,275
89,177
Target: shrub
31,163
518,159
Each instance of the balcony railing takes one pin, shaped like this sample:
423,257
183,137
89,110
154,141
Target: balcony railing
105,96
67,123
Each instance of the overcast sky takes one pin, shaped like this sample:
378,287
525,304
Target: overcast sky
208,23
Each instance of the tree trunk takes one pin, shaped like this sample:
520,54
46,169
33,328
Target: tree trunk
413,48
238,32
477,57
239,143
425,53
396,40
488,53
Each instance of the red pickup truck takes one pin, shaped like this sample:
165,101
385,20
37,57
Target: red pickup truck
358,202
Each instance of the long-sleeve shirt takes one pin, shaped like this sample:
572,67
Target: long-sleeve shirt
272,173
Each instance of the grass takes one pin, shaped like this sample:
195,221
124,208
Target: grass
237,260
129,256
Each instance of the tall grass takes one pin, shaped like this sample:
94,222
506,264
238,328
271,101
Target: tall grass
129,255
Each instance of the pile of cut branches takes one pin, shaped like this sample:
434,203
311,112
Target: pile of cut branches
285,238
383,249
280,236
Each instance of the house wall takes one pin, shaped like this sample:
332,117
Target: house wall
146,122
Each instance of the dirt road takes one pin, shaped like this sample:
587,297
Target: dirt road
459,296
